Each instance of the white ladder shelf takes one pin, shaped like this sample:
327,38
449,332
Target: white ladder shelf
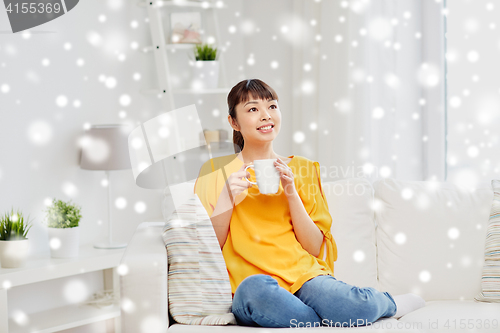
161,49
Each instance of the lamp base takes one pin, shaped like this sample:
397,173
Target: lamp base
107,245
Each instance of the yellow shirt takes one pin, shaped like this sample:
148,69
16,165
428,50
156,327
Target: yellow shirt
261,239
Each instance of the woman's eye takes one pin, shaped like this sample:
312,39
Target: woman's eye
274,106
251,109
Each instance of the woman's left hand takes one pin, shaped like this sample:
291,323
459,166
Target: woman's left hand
286,176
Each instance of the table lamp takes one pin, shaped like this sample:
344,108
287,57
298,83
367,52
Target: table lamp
105,148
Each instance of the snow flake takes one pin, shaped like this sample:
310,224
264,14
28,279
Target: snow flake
121,202
455,102
125,100
473,56
75,291
473,151
308,87
110,82
5,88
94,38
40,132
313,126
378,113
122,269
102,18
453,233
407,193
69,189
274,64
380,29
299,137
247,27
385,171
20,317
358,256
215,112
424,276
400,238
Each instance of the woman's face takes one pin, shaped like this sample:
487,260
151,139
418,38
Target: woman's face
253,115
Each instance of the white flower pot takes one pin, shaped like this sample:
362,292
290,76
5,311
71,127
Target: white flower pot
206,74
14,253
64,242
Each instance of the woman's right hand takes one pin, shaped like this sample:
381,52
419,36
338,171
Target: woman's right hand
236,183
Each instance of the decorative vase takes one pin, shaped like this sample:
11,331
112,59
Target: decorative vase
206,74
13,253
64,242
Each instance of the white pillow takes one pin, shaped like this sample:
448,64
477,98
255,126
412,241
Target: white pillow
199,292
430,238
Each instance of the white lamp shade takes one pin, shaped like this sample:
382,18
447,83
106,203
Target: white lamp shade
105,147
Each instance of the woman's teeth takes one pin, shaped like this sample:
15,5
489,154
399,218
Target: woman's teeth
265,128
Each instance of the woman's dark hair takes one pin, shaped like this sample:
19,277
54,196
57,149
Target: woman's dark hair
240,94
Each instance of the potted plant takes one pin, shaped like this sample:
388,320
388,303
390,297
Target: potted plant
206,67
64,232
14,246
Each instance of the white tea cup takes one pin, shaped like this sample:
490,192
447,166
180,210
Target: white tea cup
268,177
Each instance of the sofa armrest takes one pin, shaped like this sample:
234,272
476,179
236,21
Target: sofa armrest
143,281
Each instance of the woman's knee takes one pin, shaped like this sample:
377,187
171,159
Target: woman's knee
258,285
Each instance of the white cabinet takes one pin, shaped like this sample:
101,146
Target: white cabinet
45,268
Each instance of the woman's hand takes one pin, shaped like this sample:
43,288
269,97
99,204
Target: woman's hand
235,182
286,176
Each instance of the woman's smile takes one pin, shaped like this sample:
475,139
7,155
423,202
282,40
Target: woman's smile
266,129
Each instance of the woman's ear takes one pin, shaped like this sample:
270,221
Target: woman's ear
233,123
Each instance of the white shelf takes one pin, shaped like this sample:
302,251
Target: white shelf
181,3
45,268
189,91
180,46
63,318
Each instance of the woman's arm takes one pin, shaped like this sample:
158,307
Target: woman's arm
223,210
306,231
222,216
308,234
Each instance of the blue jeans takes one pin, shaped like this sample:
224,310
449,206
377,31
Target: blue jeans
321,301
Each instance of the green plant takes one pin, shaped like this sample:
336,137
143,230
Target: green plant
205,52
13,227
63,214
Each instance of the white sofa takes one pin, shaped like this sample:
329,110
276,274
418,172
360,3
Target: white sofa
396,236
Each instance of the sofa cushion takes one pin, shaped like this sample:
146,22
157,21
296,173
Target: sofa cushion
490,281
454,316
199,292
430,238
349,202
